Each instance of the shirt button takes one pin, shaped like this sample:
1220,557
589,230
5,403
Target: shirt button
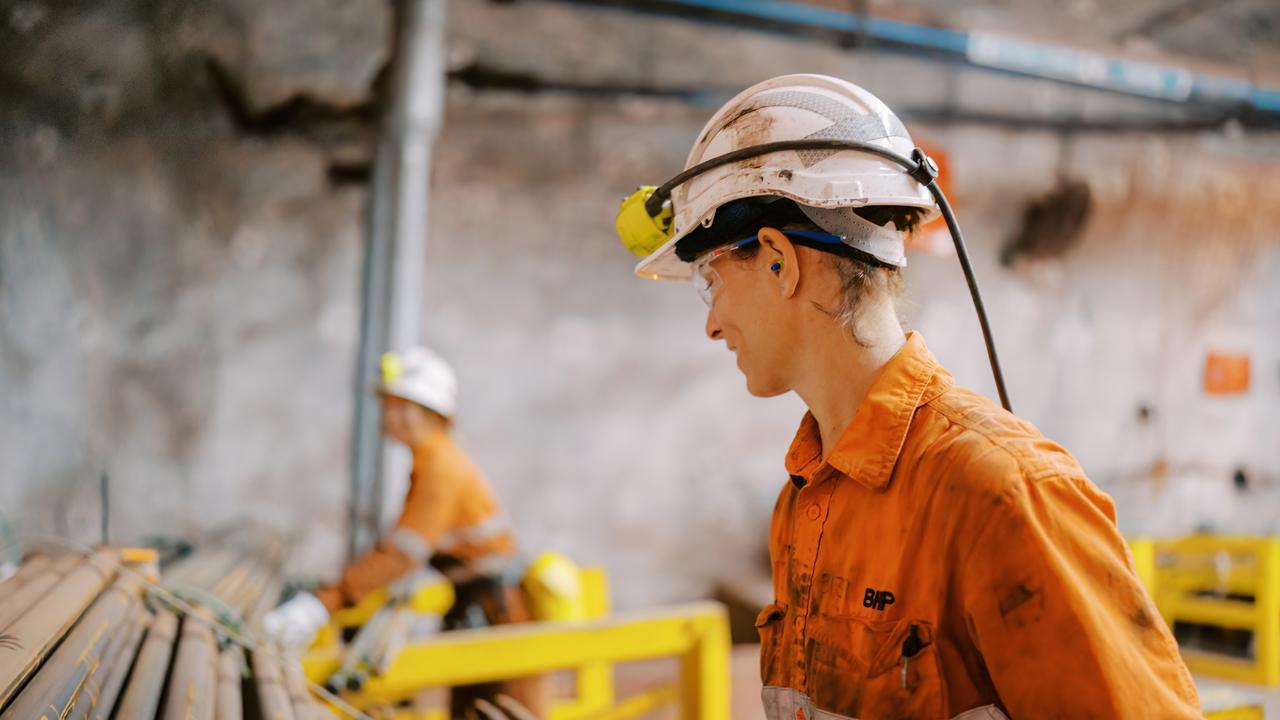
813,512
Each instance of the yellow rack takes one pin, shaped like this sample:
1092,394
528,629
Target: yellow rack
1191,579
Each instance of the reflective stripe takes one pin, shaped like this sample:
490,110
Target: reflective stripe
790,704
986,712
404,587
475,534
410,543
846,123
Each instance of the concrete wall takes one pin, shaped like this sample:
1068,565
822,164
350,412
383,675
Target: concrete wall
180,249
179,261
617,432
1106,346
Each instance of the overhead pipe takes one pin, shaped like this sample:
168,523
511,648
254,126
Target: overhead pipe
987,51
395,250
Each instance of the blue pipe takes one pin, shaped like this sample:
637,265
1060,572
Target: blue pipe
991,52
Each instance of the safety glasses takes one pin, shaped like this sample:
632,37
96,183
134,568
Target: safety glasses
706,281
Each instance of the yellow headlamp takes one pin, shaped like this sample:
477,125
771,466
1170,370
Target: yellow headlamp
392,367
640,232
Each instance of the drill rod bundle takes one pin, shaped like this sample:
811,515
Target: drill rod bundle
82,638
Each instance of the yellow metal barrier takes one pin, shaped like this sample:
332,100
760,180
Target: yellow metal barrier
698,634
593,681
1201,578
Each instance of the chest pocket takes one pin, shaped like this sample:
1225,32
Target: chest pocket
769,624
873,669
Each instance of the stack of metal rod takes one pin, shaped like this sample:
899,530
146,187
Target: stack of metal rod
239,570
86,637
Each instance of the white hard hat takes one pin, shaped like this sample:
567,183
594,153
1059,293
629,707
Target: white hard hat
794,107
421,376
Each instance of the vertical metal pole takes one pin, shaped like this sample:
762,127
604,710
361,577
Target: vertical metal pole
366,451
395,260
419,121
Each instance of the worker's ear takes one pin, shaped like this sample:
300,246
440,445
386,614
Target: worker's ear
780,258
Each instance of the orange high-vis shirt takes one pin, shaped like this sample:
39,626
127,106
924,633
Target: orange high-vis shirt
944,559
449,509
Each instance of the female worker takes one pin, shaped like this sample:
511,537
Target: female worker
933,555
451,519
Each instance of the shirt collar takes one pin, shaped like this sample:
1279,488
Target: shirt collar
868,449
431,445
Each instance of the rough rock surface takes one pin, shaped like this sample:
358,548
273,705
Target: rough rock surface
181,215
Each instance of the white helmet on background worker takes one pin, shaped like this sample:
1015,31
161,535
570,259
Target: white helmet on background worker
826,184
421,376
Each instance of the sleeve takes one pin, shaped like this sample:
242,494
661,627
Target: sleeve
1056,609
428,505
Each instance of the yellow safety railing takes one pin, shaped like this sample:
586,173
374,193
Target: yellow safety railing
1204,579
1250,711
698,634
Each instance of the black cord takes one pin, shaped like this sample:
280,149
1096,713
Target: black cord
921,168
654,204
974,292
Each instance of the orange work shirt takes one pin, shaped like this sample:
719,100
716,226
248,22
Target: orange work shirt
945,558
449,509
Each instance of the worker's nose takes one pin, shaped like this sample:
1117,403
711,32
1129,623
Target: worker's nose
713,327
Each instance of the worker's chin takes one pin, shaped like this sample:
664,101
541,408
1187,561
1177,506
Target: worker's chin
763,387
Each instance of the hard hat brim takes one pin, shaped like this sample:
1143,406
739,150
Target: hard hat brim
664,264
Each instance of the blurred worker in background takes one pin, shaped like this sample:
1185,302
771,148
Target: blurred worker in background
451,520
933,555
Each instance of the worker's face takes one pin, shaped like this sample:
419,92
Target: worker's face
404,421
750,305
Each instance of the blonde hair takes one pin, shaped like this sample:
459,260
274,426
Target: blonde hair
858,277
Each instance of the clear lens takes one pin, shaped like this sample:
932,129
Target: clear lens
706,281
705,278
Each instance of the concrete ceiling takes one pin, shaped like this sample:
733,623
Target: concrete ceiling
1242,34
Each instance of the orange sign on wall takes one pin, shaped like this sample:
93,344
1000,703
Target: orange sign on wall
1226,374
